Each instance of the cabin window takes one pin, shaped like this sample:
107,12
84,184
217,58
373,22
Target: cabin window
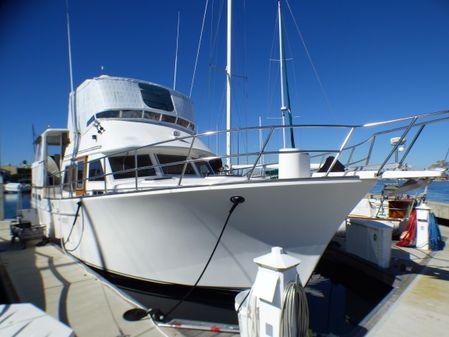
96,171
124,166
80,175
204,168
156,97
177,164
69,178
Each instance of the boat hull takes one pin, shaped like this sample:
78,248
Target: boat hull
168,235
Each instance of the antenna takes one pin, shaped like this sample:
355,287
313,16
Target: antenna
228,85
69,44
176,54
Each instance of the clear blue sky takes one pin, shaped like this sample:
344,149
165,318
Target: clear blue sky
377,60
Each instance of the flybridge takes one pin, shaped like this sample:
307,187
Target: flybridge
124,98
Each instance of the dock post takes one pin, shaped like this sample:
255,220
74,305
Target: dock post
266,308
422,226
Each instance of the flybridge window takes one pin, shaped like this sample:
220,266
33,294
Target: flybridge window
142,115
109,114
151,115
168,119
174,164
156,97
124,166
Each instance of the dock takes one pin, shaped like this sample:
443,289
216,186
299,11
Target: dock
417,305
70,292
73,294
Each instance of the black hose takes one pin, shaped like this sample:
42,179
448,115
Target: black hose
80,203
236,200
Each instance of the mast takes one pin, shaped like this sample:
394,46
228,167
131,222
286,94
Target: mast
72,105
228,85
281,65
284,81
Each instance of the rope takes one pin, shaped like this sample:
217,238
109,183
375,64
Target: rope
295,311
198,49
64,242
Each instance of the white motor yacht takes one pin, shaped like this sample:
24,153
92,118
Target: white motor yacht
131,189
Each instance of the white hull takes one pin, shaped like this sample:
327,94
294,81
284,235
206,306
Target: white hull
168,235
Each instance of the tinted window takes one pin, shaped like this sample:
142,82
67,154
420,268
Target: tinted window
69,178
127,163
131,114
176,167
80,174
96,171
151,115
156,97
182,122
204,168
168,118
109,114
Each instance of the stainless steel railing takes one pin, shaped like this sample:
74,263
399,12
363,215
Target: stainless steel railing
269,149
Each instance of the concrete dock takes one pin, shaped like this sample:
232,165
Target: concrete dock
71,293
418,305
66,290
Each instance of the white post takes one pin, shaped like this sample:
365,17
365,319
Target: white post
281,64
422,226
228,85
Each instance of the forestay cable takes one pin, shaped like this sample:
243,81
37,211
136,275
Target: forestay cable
198,49
309,57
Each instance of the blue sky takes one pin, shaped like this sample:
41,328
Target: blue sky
377,60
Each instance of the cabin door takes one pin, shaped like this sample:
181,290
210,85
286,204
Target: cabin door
81,174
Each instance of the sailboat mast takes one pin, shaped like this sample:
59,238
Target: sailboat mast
228,85
281,65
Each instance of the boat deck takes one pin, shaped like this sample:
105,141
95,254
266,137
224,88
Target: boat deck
70,292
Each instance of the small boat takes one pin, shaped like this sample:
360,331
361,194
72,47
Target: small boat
11,187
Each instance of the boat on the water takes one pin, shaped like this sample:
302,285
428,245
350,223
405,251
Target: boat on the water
135,191
11,187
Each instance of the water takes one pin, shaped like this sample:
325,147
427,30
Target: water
11,201
437,190
339,298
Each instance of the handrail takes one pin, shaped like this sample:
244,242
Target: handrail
190,158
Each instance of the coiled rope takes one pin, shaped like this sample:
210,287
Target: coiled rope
295,311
